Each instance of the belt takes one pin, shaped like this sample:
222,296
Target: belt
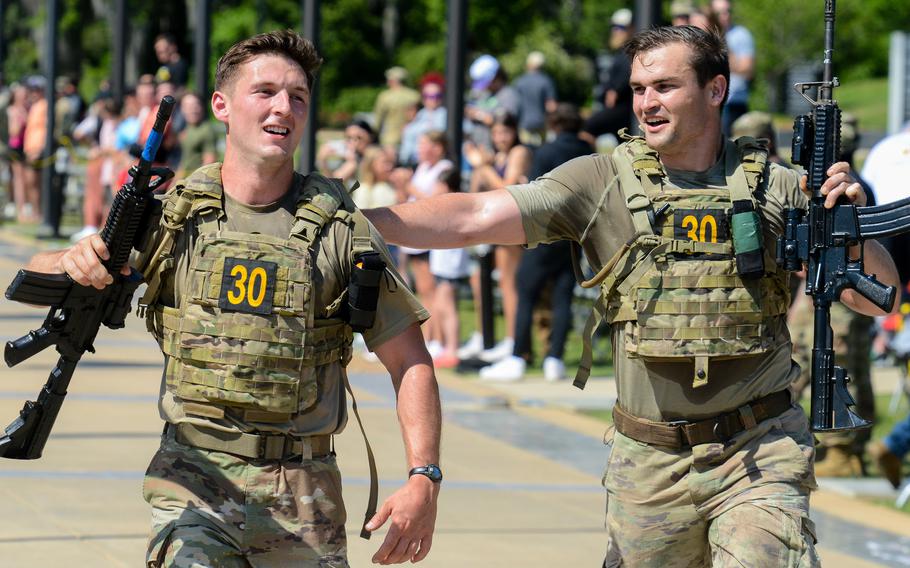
253,446
683,434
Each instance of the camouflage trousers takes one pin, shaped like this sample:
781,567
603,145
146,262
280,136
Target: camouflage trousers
745,503
217,510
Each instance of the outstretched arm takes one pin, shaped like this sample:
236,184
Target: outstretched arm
451,221
412,509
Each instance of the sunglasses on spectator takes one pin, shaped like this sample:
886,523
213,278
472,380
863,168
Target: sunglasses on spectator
432,96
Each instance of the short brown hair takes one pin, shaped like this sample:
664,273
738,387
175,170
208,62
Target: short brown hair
280,42
709,50
437,137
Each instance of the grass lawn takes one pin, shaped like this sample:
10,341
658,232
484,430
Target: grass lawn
867,100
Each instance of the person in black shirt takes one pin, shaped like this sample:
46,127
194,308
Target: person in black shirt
550,263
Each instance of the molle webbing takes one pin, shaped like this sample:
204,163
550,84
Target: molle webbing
678,291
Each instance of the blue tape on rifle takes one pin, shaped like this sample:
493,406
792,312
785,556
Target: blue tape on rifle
151,146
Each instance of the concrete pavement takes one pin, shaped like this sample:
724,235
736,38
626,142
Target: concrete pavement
522,472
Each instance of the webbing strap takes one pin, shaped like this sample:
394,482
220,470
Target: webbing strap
374,476
252,446
587,341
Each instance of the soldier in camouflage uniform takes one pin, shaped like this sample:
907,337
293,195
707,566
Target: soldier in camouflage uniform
711,462
249,272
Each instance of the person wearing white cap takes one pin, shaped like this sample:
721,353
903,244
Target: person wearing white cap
490,94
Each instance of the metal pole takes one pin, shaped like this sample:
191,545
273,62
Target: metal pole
2,36
51,195
647,14
455,65
201,49
310,24
118,57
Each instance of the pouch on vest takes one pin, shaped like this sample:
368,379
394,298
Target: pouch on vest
363,290
745,227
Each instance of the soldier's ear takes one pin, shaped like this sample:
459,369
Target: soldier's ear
220,106
718,86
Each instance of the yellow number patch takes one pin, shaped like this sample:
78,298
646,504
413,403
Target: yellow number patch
702,225
247,286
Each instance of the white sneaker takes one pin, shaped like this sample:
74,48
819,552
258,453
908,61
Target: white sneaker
435,348
554,369
82,233
472,347
510,369
499,351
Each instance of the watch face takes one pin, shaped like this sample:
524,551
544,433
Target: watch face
431,471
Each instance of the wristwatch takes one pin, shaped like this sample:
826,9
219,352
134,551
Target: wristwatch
430,470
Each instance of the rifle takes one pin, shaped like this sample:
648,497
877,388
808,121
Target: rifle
821,238
77,311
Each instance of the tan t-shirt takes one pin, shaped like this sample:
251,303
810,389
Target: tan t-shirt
582,201
398,309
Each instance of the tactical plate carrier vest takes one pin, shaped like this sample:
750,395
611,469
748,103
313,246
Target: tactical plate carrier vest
245,333
674,287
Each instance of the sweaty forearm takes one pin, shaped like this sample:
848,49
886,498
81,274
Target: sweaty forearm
419,415
451,221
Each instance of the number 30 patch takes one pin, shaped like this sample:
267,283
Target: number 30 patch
703,225
247,286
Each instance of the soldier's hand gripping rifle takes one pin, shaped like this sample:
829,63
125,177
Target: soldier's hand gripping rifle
76,311
821,238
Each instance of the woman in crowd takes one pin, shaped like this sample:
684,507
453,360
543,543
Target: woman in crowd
423,183
509,165
449,267
16,115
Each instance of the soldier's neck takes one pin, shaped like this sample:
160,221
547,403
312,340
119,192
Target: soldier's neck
255,183
695,157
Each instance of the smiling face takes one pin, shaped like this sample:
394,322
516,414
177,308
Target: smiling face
265,109
679,117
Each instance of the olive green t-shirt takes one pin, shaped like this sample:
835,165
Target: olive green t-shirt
397,309
582,201
196,140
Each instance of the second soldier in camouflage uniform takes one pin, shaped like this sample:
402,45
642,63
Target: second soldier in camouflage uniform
711,462
249,273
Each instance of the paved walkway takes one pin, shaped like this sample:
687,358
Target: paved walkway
522,472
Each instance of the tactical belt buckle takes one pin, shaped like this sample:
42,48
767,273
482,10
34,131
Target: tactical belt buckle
273,447
681,433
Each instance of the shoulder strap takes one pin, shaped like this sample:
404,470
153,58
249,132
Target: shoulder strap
640,173
200,194
750,171
321,200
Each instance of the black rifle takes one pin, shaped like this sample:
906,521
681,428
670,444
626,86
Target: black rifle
77,311
822,237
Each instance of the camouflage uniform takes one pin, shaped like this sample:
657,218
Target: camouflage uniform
269,372
741,499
